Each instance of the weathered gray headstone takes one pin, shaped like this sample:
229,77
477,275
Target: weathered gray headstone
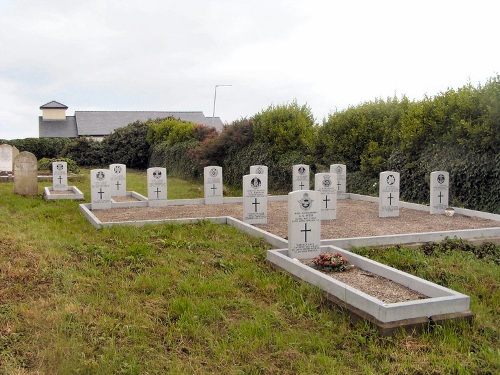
440,185
255,199
388,205
60,176
341,171
100,189
25,174
157,187
304,224
300,177
118,180
6,158
258,169
213,185
326,184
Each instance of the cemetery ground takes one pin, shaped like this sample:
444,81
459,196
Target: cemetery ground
200,299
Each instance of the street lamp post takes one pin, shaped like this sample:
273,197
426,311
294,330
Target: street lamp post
215,97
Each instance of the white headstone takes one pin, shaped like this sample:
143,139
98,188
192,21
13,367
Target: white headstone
118,180
60,176
440,185
341,171
258,169
304,224
326,184
157,187
25,174
6,158
213,185
100,189
300,177
255,199
388,205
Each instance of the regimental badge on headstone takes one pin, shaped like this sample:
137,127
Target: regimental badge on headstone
326,184
304,224
157,187
213,187
440,192
388,194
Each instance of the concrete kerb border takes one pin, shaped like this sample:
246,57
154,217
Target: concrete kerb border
75,195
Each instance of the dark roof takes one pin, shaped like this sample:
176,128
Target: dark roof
58,128
53,105
99,123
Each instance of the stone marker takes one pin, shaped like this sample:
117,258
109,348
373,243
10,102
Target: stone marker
213,185
440,185
388,205
60,176
258,169
100,189
300,177
255,199
6,158
15,152
25,174
304,224
341,171
157,187
118,180
326,184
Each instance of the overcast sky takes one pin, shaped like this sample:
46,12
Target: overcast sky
169,55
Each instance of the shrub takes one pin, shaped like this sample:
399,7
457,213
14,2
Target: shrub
85,152
128,145
171,131
41,147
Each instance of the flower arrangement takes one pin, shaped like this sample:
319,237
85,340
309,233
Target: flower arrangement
331,262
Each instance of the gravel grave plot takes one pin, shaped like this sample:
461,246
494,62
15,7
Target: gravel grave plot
354,218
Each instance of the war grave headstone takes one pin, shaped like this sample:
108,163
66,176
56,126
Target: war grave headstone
326,184
388,205
60,176
118,180
213,185
100,189
341,171
440,185
304,224
258,169
25,174
255,199
6,159
157,187
300,177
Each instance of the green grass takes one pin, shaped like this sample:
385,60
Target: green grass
201,299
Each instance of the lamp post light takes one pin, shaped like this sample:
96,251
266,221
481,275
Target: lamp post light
215,96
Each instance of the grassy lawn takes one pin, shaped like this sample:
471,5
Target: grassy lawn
200,299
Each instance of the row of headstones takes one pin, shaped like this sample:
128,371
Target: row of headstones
8,154
305,211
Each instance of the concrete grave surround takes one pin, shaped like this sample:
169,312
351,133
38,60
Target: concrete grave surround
6,158
213,186
157,186
440,187
300,177
326,184
118,180
100,189
72,193
59,176
341,171
304,224
25,174
259,169
388,204
255,199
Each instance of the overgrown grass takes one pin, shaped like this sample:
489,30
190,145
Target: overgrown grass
200,299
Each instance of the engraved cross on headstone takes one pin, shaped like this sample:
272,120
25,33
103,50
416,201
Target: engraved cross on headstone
255,204
100,192
301,185
213,189
157,191
60,179
305,230
390,199
440,196
326,200
117,185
